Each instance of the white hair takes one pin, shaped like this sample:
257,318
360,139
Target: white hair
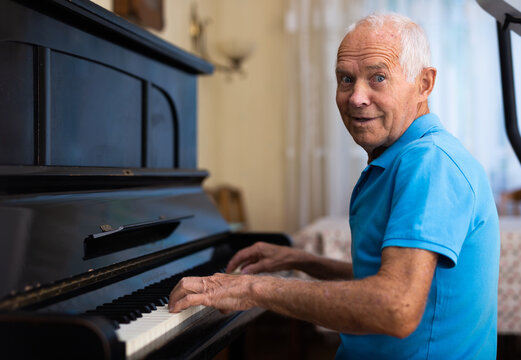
415,54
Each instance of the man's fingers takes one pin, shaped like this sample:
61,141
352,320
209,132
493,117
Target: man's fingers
189,291
254,268
186,302
245,264
185,287
245,255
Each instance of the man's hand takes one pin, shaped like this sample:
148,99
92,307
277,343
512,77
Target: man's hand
221,291
263,257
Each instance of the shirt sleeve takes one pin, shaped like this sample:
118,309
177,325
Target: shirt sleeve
432,204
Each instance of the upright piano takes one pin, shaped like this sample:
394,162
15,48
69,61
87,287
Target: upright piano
102,209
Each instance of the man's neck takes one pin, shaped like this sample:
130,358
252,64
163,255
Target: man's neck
423,109
375,153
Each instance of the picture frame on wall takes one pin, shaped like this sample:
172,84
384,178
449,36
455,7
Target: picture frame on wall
145,13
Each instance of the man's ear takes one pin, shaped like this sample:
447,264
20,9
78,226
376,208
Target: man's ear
426,81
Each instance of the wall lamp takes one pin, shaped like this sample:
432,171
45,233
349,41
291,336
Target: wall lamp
236,51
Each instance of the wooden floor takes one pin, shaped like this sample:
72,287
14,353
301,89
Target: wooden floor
277,338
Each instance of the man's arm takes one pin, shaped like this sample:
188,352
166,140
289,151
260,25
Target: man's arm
391,302
264,257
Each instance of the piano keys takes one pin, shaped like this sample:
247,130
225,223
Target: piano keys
155,329
102,206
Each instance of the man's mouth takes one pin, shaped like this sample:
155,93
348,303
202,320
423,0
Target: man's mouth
362,119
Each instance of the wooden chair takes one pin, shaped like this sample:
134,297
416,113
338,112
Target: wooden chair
510,203
230,204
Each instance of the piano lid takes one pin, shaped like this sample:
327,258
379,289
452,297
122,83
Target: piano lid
92,18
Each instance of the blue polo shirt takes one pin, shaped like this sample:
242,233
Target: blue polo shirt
426,191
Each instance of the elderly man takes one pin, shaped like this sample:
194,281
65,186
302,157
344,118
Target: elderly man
425,238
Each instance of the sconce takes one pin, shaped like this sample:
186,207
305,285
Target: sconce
234,50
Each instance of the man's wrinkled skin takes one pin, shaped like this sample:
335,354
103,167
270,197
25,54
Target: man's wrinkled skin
377,105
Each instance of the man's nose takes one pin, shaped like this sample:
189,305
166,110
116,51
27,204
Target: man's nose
360,95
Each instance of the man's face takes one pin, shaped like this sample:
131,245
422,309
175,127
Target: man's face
376,102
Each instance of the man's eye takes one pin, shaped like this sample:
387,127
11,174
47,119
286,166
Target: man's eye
346,79
379,78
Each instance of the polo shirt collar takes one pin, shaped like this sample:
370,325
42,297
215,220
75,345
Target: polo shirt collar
416,130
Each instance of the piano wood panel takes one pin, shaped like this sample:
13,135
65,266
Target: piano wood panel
61,223
17,94
96,114
162,130
167,71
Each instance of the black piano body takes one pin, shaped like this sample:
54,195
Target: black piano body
100,195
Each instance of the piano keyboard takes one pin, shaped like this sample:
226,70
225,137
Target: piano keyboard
142,319
155,329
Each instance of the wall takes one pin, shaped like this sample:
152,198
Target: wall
241,119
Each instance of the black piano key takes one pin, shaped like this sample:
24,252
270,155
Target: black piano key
118,318
132,313
151,297
113,312
138,309
155,299
144,307
163,301
155,291
158,301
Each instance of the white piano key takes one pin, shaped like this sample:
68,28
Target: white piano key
154,329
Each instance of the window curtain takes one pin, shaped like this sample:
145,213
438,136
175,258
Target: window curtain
323,162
